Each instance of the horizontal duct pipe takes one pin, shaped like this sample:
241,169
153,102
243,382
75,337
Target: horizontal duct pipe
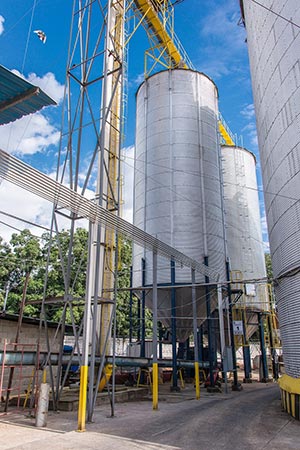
29,359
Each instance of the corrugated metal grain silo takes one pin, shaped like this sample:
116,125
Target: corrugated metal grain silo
243,226
177,183
273,42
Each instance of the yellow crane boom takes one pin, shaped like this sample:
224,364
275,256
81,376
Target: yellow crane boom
160,24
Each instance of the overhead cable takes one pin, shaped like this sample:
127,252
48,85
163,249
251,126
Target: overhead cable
276,14
32,180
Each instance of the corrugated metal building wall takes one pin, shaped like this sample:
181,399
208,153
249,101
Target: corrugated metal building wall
274,44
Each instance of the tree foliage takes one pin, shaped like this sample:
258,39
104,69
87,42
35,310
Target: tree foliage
26,253
269,268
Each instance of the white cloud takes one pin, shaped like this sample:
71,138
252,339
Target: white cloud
33,133
29,207
47,83
28,135
16,201
2,20
215,68
223,40
248,111
128,176
264,230
135,82
221,24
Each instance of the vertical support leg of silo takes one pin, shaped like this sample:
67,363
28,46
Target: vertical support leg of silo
139,320
143,308
264,365
273,350
130,306
195,331
247,364
236,386
160,337
174,386
209,330
222,334
142,318
246,354
200,343
154,338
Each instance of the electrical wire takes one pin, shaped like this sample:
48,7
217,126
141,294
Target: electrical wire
7,31
40,184
188,199
18,229
275,13
24,220
28,35
208,177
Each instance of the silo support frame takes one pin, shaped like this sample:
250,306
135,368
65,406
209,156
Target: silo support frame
275,367
222,333
154,338
209,330
195,331
143,310
142,318
200,343
236,386
246,351
264,373
130,307
174,386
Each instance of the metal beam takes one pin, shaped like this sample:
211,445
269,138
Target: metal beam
34,181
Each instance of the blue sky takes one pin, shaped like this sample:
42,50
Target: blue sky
209,32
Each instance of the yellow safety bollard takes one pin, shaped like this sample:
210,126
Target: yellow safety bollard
82,398
155,386
197,380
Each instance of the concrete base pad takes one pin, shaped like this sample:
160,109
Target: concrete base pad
237,387
214,389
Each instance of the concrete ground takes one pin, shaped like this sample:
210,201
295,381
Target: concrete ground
251,419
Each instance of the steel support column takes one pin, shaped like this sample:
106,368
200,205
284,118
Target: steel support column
246,354
143,310
264,364
174,386
209,330
130,307
273,350
195,332
235,376
154,337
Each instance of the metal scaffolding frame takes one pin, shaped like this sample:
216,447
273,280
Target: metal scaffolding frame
89,155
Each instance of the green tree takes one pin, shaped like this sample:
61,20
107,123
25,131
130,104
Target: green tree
269,268
7,270
123,297
57,271
24,256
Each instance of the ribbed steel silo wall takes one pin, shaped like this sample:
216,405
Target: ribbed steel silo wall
177,181
243,225
274,43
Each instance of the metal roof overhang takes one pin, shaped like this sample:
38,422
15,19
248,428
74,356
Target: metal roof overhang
19,97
